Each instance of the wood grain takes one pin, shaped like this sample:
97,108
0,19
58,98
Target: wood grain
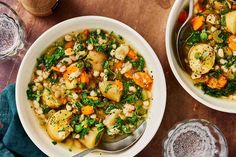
147,17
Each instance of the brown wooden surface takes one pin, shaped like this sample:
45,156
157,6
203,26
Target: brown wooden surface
147,17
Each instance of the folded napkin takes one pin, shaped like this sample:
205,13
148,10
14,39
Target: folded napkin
13,139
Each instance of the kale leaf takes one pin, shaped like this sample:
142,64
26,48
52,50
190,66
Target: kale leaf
139,64
229,89
50,60
88,101
32,95
216,74
195,37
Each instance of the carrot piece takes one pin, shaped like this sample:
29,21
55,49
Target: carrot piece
84,77
198,7
87,110
182,16
210,37
232,42
197,22
118,65
66,76
119,84
128,74
55,69
72,69
203,78
69,70
142,79
234,7
132,55
69,44
86,33
63,100
217,83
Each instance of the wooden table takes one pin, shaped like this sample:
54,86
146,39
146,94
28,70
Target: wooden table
148,17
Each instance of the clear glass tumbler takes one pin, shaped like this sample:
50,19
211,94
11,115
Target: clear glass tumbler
11,32
195,138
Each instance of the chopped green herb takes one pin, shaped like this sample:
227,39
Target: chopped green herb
225,11
216,74
106,64
133,119
130,98
119,121
108,87
139,64
89,101
51,59
109,109
75,120
120,37
100,132
82,85
125,129
54,142
32,95
80,64
78,128
45,109
101,48
222,21
193,38
84,132
100,126
198,55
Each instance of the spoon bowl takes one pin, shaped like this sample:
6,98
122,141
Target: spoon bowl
117,146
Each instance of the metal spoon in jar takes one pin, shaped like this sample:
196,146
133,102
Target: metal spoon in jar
117,146
185,27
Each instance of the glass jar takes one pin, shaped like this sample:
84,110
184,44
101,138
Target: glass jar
40,7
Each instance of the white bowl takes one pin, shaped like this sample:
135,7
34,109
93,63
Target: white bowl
26,114
183,78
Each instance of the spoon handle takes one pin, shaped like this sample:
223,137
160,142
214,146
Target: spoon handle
191,9
85,152
190,14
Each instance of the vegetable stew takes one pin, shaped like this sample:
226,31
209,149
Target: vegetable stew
209,47
88,86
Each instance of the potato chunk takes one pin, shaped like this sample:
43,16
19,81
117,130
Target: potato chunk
92,138
96,59
58,126
230,19
201,58
111,118
121,52
50,100
110,90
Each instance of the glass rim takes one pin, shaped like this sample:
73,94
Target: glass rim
173,129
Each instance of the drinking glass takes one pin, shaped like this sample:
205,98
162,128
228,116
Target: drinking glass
12,44
11,32
195,138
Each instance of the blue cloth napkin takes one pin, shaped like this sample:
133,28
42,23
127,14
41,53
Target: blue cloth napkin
13,139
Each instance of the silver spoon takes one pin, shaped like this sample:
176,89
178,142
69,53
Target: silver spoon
117,146
181,32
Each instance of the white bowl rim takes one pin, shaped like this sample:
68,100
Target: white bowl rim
174,68
162,102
